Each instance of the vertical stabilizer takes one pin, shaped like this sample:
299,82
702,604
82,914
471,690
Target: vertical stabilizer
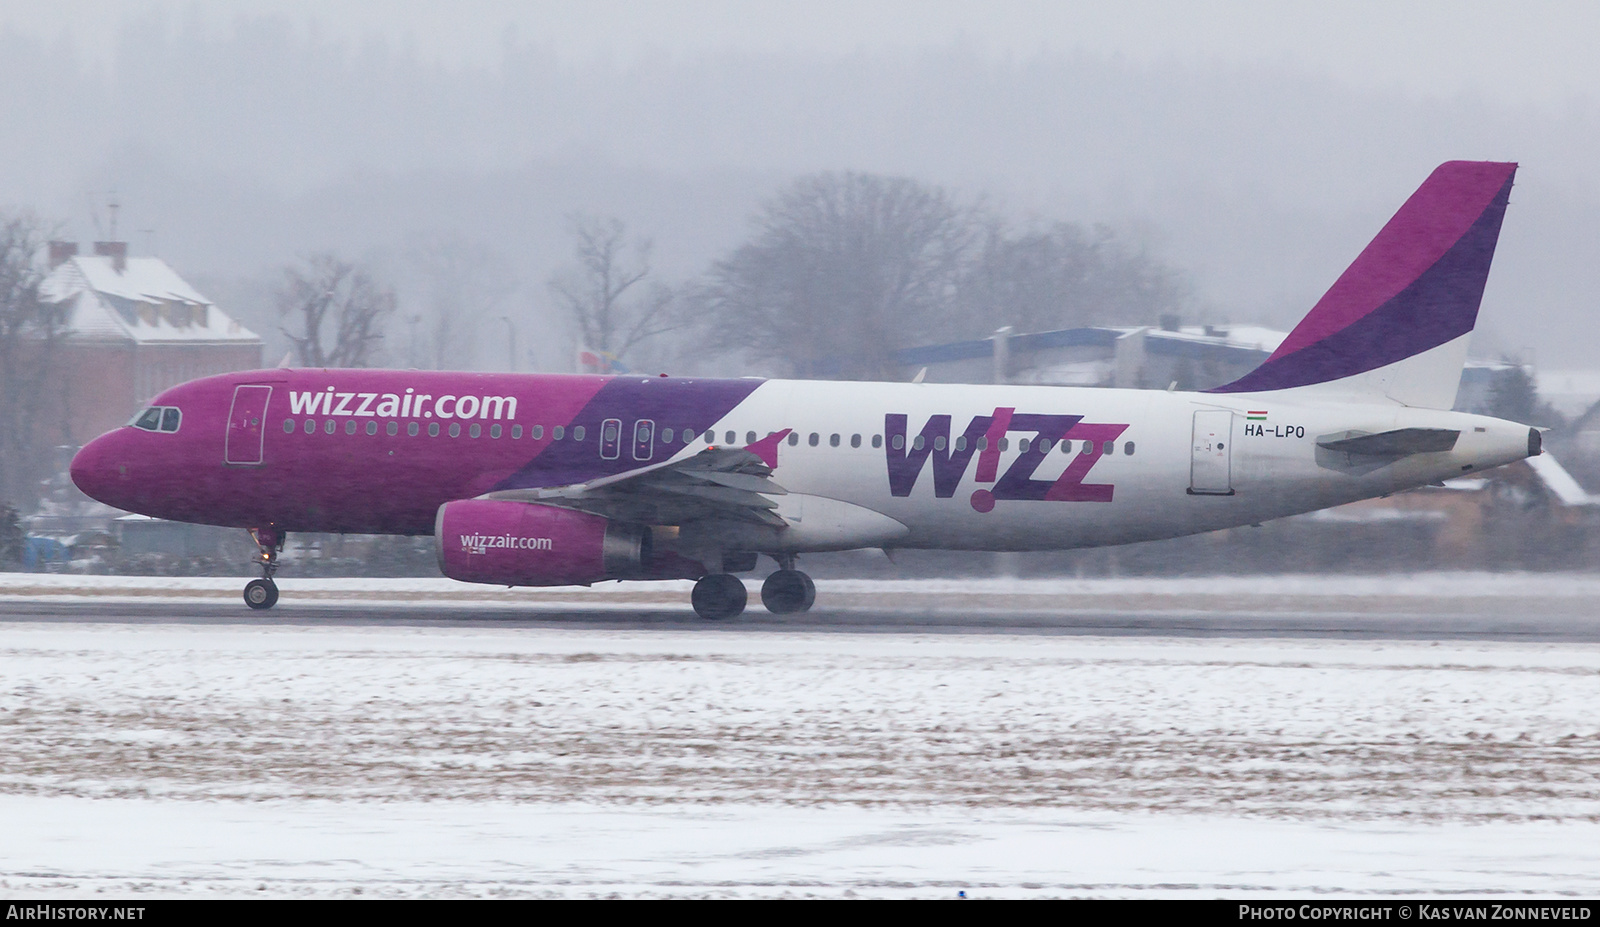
1395,325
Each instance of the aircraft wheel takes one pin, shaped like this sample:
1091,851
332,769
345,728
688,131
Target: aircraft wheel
261,593
788,591
718,595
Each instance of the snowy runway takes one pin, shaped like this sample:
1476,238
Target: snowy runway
440,761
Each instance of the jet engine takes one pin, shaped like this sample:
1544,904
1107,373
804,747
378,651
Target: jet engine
528,544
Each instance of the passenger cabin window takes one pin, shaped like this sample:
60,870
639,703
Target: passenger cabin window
610,439
855,440
794,439
644,439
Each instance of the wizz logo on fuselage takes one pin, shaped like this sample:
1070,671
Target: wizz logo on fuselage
984,438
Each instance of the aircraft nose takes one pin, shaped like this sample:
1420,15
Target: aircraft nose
100,469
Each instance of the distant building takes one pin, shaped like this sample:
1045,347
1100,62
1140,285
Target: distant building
133,328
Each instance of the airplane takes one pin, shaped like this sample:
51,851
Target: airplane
549,480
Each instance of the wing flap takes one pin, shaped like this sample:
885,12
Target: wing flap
719,483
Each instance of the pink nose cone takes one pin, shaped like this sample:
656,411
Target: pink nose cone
100,469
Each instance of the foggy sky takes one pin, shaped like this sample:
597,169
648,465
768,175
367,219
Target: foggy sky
1257,145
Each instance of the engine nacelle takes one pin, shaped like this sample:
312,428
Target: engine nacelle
527,544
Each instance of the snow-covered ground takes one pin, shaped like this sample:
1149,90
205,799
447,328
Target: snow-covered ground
438,761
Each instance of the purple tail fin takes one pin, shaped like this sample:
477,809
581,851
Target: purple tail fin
1416,287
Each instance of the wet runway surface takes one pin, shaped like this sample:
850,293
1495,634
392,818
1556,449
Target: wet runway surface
1556,620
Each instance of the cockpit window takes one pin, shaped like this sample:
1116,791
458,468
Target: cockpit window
158,418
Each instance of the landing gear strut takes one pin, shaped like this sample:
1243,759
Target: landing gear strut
263,593
718,595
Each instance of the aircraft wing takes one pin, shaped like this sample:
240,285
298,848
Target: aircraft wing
719,483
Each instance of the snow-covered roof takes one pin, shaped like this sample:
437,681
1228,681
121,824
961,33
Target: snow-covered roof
146,301
1560,483
1238,336
1571,392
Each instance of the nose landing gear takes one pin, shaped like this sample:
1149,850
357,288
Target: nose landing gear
263,593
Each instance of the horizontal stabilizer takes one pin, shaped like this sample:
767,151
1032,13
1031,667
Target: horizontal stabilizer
1398,443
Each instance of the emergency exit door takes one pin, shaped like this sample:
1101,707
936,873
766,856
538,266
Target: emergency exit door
246,418
1210,464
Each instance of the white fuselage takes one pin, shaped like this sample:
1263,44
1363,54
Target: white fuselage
1257,459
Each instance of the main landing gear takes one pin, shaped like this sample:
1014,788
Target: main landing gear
722,595
263,593
788,591
718,595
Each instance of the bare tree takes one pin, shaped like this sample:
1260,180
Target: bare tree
843,270
30,334
12,538
459,282
1063,276
1514,396
606,293
336,312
